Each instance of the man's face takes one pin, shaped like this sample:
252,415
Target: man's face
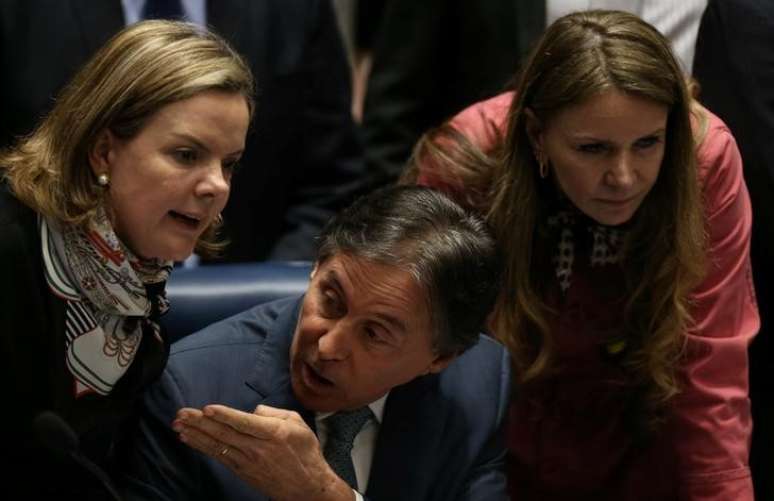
363,329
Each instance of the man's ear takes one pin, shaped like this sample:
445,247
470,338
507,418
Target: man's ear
314,270
440,363
534,127
102,152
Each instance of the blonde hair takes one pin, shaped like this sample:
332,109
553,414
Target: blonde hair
580,55
140,70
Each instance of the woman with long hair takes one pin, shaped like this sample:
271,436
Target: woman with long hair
628,307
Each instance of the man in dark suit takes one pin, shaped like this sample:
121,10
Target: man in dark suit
431,59
388,331
303,160
734,65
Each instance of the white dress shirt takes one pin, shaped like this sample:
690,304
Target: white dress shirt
363,445
677,20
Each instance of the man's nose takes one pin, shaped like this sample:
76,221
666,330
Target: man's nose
336,342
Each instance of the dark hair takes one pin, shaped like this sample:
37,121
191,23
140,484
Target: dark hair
449,251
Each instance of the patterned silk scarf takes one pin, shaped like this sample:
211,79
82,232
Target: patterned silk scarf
107,304
605,243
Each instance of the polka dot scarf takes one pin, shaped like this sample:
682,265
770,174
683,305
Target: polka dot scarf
605,243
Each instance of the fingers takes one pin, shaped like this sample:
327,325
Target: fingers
261,427
286,464
218,428
227,453
219,421
268,411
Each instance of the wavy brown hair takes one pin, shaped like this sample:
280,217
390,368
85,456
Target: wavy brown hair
664,252
140,70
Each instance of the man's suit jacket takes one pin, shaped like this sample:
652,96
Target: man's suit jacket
734,65
303,160
440,437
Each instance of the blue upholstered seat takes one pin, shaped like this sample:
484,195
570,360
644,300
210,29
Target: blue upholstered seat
206,294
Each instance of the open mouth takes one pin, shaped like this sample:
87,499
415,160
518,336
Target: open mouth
313,377
188,220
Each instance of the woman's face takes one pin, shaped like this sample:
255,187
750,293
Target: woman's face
170,181
604,153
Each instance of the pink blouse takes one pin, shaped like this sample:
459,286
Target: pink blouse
566,438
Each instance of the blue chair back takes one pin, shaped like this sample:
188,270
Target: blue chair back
203,295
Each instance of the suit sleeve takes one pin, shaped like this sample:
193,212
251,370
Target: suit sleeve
332,173
713,411
159,466
487,479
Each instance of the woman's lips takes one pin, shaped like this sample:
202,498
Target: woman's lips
191,221
621,202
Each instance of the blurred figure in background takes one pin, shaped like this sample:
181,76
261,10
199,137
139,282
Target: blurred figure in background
431,59
359,22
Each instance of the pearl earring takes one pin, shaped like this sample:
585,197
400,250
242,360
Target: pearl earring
103,180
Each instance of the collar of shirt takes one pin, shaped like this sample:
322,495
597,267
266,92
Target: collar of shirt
377,408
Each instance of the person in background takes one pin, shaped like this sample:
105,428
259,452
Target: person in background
628,303
734,66
127,173
303,159
359,23
433,58
375,383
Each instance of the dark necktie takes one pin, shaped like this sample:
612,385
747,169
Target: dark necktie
342,429
162,9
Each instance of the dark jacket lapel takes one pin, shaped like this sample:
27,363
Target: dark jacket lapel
409,438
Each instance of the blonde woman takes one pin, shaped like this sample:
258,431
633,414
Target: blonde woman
628,304
128,173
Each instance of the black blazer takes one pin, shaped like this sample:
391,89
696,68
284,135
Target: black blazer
33,365
303,160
